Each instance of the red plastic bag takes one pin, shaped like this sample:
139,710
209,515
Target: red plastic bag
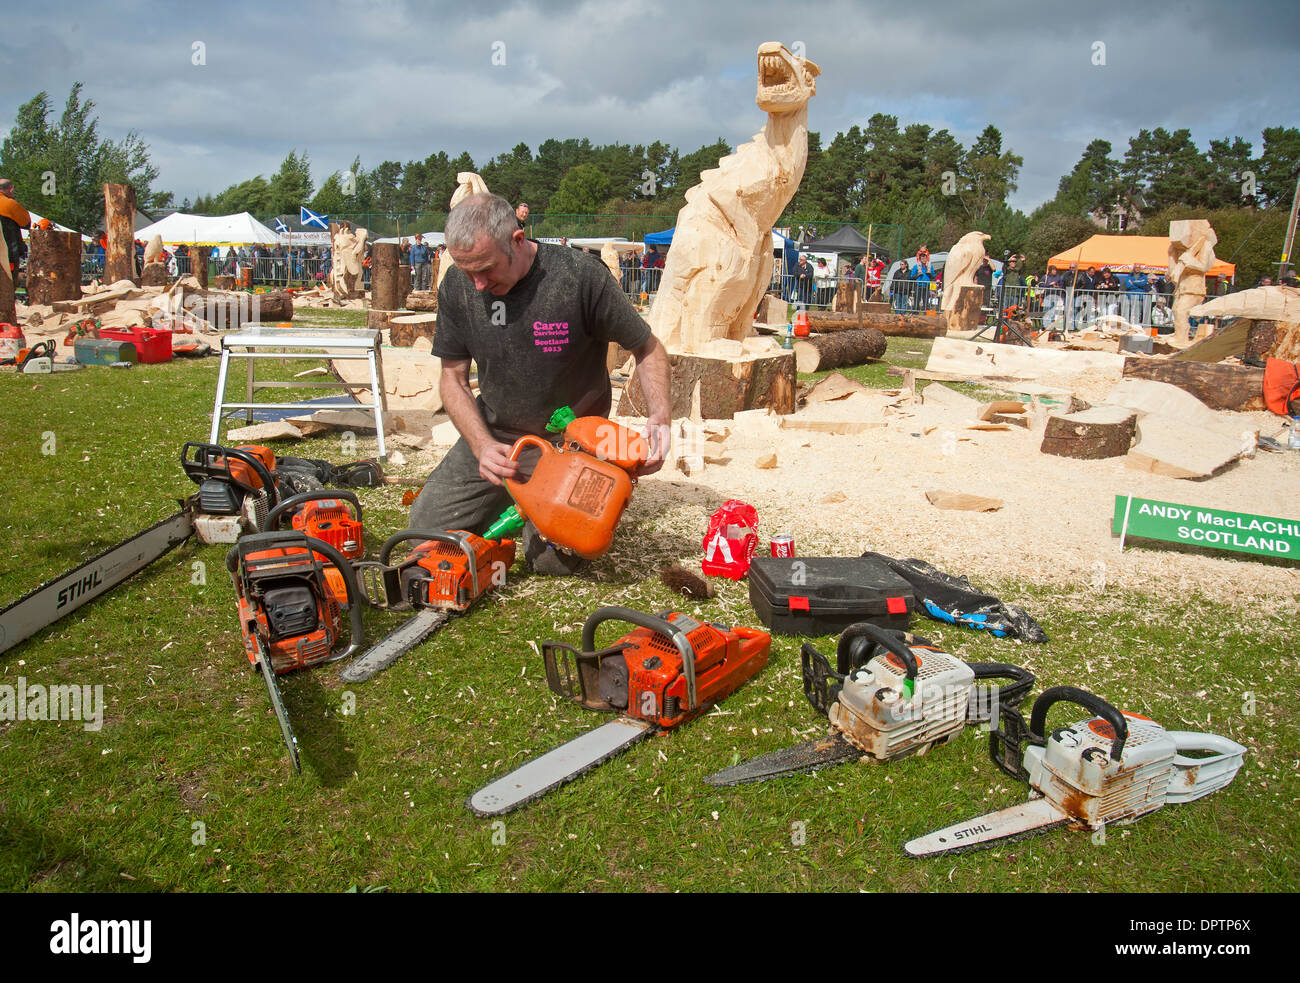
730,541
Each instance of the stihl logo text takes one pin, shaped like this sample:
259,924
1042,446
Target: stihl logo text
74,591
969,831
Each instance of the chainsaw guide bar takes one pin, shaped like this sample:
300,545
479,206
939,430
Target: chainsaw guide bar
392,646
281,714
558,766
810,756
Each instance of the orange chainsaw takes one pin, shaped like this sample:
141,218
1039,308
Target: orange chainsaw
442,577
670,670
333,517
288,614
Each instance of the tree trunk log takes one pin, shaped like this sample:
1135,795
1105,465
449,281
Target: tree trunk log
422,300
403,284
119,221
848,297
199,266
727,386
153,275
385,288
8,313
834,351
53,266
273,306
403,332
1101,432
1219,386
901,325
1267,339
772,310
968,312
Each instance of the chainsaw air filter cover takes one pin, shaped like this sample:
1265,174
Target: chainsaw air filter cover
877,717
1075,770
290,611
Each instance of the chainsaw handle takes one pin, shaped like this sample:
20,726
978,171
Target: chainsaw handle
281,540
664,627
1014,694
457,539
202,466
887,640
1089,701
291,504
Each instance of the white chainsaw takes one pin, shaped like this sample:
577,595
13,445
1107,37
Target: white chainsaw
1112,768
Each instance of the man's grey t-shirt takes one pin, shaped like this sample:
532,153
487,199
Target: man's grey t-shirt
543,344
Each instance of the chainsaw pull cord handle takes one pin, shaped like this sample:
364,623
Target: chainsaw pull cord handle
664,627
202,464
291,504
457,539
287,540
1089,701
888,640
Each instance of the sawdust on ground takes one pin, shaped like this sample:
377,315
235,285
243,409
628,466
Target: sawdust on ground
843,494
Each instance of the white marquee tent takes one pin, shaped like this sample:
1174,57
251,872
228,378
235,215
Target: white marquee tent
240,229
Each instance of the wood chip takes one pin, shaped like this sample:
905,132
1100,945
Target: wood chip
962,502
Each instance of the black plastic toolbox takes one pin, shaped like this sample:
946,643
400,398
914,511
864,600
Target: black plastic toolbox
823,595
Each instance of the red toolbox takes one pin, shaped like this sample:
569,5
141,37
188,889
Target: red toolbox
152,344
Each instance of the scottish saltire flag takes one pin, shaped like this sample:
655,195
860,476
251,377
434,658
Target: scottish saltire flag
308,217
281,227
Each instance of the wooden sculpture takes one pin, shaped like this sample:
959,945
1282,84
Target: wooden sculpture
1191,254
349,249
959,268
720,263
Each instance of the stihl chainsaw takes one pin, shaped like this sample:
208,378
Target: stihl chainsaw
1110,768
287,611
236,488
895,695
670,670
442,577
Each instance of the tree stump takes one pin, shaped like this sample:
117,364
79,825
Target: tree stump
1268,339
403,284
835,351
898,325
199,267
53,266
405,328
119,222
968,312
153,275
423,300
385,287
727,385
1100,432
848,296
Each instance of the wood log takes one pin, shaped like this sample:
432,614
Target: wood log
381,320
968,311
224,281
153,275
1219,386
422,300
848,297
119,222
385,288
1270,339
727,385
404,330
1101,432
403,284
199,265
899,325
8,312
834,351
53,266
772,309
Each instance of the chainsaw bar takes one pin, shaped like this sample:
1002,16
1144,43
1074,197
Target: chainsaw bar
824,752
281,714
1007,825
392,646
558,766
42,606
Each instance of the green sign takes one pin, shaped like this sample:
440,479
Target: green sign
1215,528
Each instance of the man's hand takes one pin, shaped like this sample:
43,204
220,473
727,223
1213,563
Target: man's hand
494,462
659,437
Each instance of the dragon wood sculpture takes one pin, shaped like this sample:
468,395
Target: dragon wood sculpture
720,263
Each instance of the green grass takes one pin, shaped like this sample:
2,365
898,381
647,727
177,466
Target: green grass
189,738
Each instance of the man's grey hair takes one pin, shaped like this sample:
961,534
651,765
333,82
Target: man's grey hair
6,184
477,215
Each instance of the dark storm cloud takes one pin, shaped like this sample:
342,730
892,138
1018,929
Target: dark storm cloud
396,80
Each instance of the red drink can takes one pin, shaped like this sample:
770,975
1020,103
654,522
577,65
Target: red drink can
782,545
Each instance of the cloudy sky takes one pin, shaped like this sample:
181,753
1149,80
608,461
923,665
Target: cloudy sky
222,91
